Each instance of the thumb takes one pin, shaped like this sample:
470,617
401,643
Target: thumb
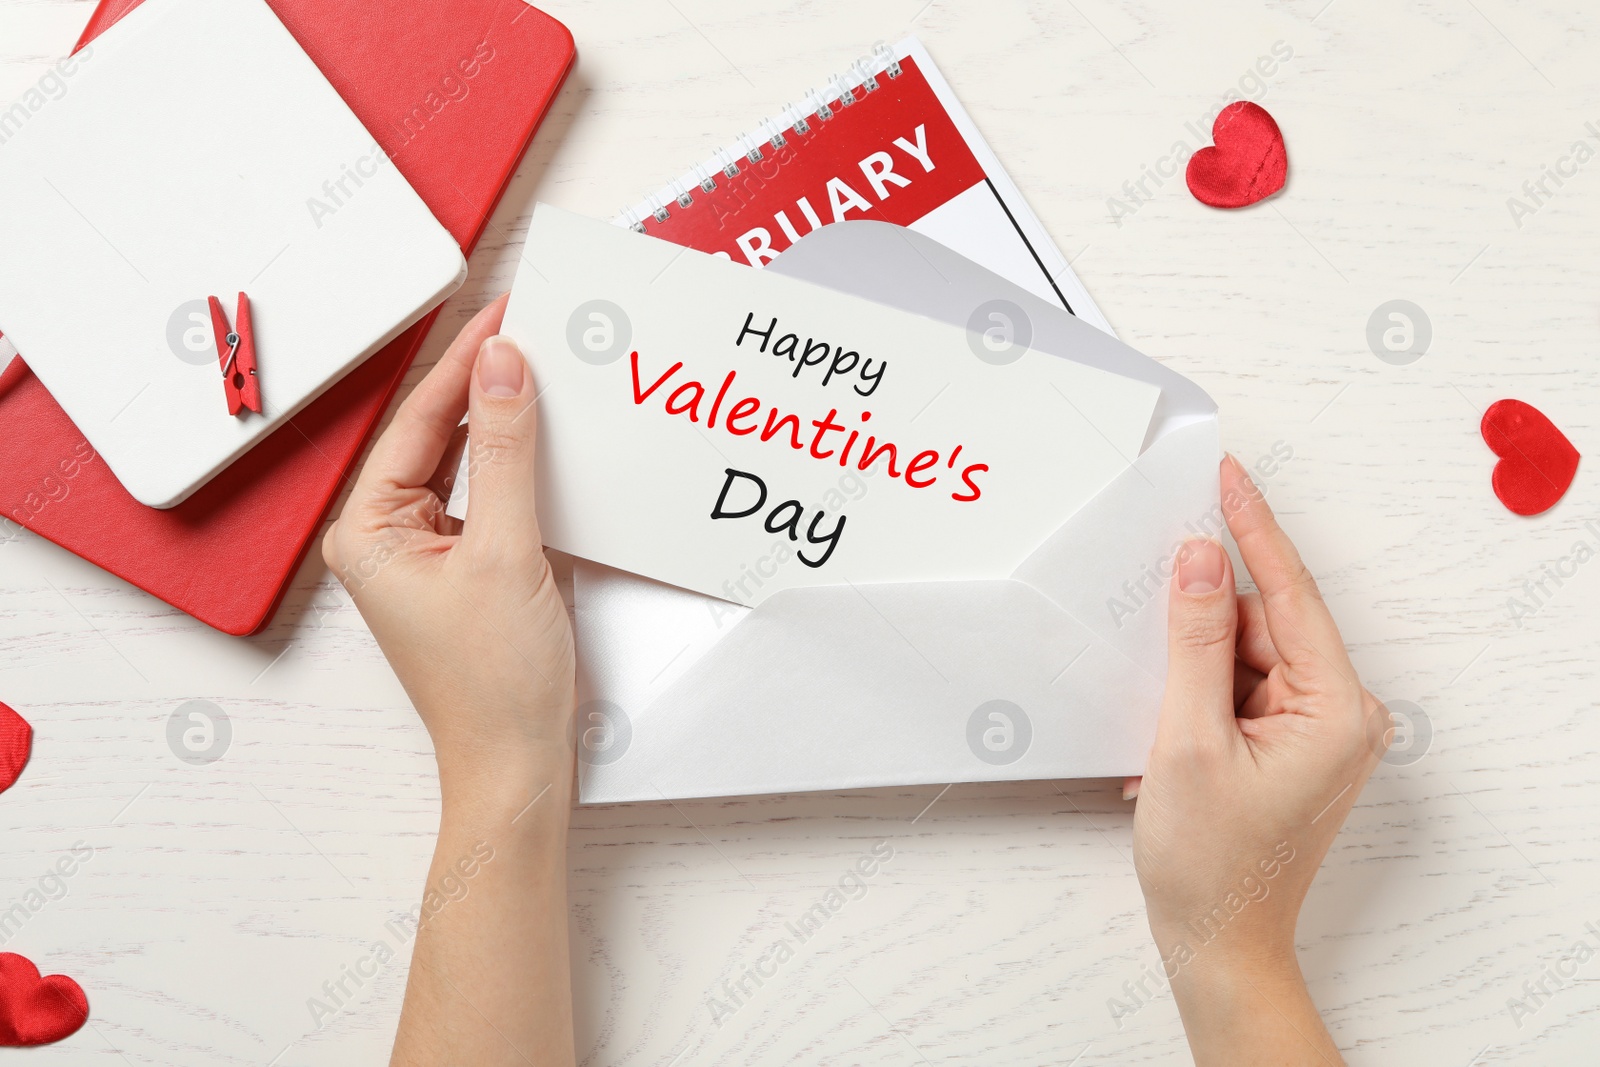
501,424
1202,621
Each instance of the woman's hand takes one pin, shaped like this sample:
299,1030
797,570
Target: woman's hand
471,622
1264,742
477,633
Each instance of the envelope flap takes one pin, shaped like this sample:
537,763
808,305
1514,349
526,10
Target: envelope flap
1111,559
904,269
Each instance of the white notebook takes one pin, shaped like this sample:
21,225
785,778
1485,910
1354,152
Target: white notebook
198,152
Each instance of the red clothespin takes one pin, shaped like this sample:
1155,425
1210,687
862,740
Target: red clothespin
236,353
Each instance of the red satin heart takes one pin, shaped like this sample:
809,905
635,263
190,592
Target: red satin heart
16,741
1537,462
35,1010
1249,162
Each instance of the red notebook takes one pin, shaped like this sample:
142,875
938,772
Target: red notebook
453,90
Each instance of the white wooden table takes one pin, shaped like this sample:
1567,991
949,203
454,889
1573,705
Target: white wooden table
220,898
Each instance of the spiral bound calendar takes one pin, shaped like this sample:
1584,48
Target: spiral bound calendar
886,141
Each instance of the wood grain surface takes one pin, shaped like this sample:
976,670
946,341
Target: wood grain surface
223,901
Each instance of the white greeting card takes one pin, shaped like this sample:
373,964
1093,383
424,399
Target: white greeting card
197,151
700,423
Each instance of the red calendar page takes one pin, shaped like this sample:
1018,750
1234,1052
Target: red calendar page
889,143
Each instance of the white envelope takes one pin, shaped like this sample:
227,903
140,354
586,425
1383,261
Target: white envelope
1056,672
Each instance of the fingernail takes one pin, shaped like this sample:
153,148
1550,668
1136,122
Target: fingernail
1130,788
501,369
1243,471
1200,568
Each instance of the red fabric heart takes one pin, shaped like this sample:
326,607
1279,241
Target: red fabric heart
1249,162
35,1010
1537,462
16,741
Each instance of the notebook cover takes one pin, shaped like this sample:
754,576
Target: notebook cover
453,91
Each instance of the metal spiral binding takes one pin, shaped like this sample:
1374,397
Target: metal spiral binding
823,111
752,148
748,147
774,133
